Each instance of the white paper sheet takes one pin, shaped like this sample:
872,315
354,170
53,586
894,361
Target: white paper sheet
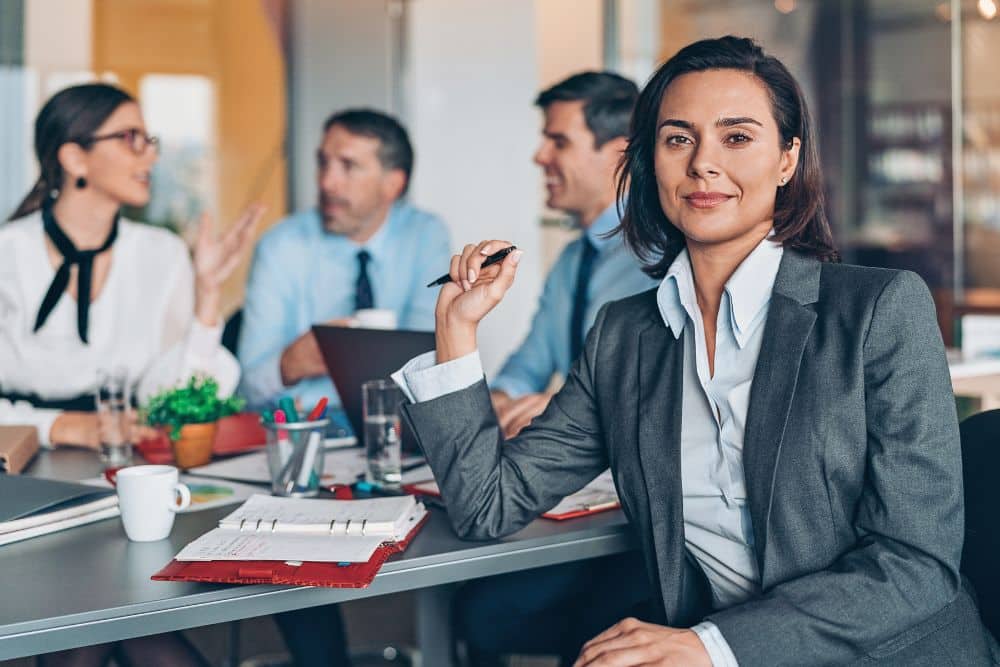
223,544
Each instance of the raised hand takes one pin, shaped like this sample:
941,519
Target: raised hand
472,293
216,258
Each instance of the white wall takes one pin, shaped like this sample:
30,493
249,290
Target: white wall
569,38
471,79
341,55
24,89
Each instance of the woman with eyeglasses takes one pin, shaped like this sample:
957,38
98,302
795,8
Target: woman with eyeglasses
780,426
84,291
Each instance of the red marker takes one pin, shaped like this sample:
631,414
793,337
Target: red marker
318,410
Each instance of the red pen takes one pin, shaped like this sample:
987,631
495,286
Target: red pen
318,410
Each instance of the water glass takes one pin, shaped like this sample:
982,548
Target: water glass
113,402
295,457
382,399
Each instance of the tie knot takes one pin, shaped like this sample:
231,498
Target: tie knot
364,257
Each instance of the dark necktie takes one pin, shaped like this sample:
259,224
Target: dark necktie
363,297
580,298
84,259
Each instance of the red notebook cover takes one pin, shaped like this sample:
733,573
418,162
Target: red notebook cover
328,575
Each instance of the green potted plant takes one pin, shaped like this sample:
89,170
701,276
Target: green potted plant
190,412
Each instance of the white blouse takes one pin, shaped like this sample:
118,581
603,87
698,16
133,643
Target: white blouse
142,321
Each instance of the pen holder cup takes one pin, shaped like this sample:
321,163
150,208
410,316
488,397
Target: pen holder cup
295,457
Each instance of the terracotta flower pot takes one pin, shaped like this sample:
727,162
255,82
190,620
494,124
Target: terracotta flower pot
194,447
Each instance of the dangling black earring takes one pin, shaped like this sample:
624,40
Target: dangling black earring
81,183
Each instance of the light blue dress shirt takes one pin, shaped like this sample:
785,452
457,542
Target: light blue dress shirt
717,528
303,275
616,274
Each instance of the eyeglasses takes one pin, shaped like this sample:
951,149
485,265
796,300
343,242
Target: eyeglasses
134,138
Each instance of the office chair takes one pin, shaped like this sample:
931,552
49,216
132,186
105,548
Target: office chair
231,332
980,466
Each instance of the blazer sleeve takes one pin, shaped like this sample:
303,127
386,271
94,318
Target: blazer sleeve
494,487
909,518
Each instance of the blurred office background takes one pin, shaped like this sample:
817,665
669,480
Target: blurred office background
904,93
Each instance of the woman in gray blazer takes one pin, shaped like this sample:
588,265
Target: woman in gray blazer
780,426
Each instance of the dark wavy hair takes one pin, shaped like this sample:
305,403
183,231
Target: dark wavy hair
800,221
71,115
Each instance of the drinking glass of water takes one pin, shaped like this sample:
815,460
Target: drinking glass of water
382,399
113,407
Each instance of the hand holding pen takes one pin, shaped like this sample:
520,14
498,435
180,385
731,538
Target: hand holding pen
475,289
495,258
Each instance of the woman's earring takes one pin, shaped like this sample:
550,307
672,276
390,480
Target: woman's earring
54,194
81,183
783,180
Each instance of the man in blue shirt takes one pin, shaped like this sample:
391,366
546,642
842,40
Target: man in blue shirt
556,609
585,132
361,247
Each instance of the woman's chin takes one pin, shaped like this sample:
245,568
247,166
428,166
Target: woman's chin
135,199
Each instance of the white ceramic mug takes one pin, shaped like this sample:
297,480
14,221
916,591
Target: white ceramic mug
148,497
375,318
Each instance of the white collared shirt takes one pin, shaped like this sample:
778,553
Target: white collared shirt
717,528
142,321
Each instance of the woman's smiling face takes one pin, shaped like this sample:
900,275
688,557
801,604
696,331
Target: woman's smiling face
719,157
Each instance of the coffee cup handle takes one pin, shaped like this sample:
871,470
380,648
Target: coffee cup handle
183,496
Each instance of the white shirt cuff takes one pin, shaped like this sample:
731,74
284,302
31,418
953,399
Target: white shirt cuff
716,645
203,341
423,380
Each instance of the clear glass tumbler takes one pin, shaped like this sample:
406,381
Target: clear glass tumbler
113,402
383,441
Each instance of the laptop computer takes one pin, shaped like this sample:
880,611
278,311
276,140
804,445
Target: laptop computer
355,356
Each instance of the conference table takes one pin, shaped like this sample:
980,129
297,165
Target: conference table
89,584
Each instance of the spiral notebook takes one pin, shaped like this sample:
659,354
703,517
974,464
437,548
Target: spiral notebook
296,529
301,542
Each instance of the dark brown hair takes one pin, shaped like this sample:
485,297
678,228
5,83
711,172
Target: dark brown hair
71,115
800,221
395,150
608,100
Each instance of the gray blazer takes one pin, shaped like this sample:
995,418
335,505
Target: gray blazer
852,460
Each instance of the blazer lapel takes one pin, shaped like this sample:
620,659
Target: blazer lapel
661,362
786,332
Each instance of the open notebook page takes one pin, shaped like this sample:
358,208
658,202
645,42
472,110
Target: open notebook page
224,544
375,516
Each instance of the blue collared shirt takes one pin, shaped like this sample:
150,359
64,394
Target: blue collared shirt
717,528
303,275
545,351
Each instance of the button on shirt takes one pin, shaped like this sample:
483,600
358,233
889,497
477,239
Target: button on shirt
615,274
717,529
303,275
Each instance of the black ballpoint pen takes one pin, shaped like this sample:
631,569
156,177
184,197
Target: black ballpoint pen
495,258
